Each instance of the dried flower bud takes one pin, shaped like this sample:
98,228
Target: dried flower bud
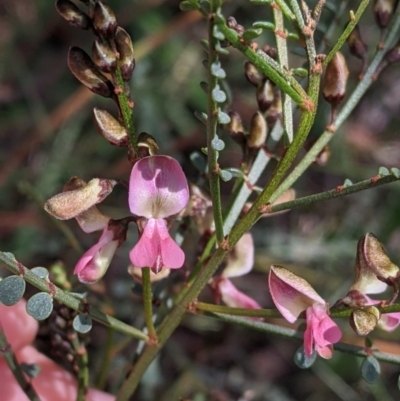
393,55
265,95
383,10
69,204
73,15
110,128
335,80
124,46
103,56
104,19
275,110
356,45
235,128
258,131
233,24
364,320
252,74
82,66
270,51
148,144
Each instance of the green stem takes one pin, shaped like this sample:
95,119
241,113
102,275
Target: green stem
266,313
9,261
8,354
212,127
106,359
346,33
83,372
270,68
287,110
334,193
148,303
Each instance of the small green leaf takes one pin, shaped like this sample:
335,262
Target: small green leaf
383,171
82,323
347,183
217,33
217,71
251,34
264,25
42,272
370,369
225,175
368,342
300,72
217,144
302,361
12,289
223,118
218,95
204,150
201,116
395,171
79,295
188,6
199,161
219,49
40,306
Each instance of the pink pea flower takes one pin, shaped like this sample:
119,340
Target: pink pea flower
158,190
387,321
293,295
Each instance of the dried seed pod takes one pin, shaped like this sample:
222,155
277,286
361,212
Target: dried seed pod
104,19
124,46
82,66
235,128
258,132
73,15
383,10
364,320
335,80
69,204
265,95
103,56
110,128
252,74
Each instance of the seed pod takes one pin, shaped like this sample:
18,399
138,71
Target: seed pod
258,132
364,320
82,66
124,46
265,95
104,19
252,74
73,15
103,56
335,80
383,10
110,128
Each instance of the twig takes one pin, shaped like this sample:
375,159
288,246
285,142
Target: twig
148,303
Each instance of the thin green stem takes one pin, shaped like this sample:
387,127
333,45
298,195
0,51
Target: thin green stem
9,261
106,359
346,33
83,364
334,193
287,109
148,303
8,354
212,127
266,313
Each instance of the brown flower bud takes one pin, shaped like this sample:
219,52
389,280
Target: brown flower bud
104,19
258,131
364,320
147,144
393,55
383,10
335,80
124,46
235,128
110,128
265,95
356,45
69,204
103,56
252,74
82,66
73,15
275,110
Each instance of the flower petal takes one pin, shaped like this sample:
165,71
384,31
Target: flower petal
291,294
240,261
157,187
233,297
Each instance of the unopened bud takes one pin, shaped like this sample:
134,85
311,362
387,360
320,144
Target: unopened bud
356,45
233,24
335,80
147,143
110,128
70,204
103,56
124,46
265,95
252,74
270,51
383,10
72,14
364,320
393,55
104,19
275,110
235,128
258,131
82,66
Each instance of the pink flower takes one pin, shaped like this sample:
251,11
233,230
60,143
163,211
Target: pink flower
293,295
233,297
158,190
94,263
387,321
